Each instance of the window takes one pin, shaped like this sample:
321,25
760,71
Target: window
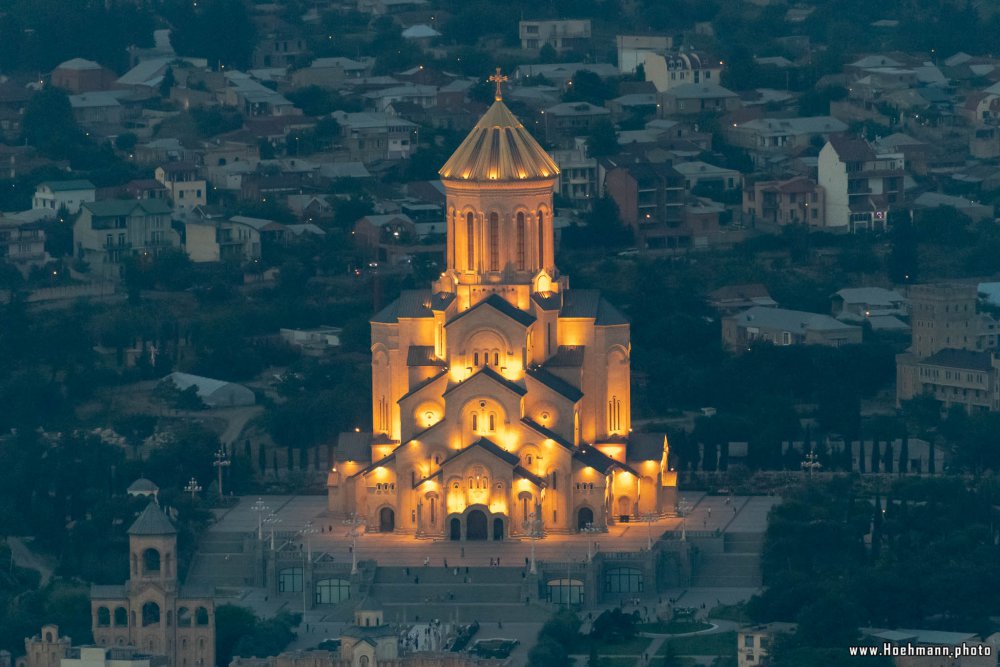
121,617
290,580
566,591
332,591
103,617
150,614
470,231
494,242
493,426
475,422
184,617
520,241
150,561
541,240
623,580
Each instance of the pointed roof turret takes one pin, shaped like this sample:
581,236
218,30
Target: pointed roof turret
499,148
152,521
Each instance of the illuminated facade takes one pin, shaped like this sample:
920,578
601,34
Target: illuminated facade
500,397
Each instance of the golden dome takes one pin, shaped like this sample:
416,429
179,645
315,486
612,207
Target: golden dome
499,149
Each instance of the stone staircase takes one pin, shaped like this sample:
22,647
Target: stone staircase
730,562
220,562
484,594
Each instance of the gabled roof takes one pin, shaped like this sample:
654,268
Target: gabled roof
598,460
555,383
119,207
530,476
963,359
587,303
499,148
420,385
502,306
491,447
567,356
423,355
546,433
67,186
152,521
488,372
645,447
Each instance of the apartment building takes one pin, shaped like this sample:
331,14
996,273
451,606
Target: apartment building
794,201
107,232
561,35
860,183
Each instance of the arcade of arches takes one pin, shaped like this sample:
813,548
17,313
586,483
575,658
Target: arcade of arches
500,396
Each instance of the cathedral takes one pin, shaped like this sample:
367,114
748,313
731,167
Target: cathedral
500,396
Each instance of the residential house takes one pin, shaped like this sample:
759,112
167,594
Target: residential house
158,151
861,303
254,98
56,195
283,46
578,181
860,184
561,34
794,201
779,326
97,110
691,99
565,121
13,100
270,232
733,298
560,74
421,35
976,211
81,76
390,7
764,137
145,188
708,176
633,49
331,72
651,199
753,644
107,232
22,244
422,96
221,241
957,377
381,236
681,68
372,136
632,105
185,186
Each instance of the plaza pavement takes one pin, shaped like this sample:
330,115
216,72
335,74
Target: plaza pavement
707,513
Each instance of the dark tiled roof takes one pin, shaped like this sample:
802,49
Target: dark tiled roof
555,383
963,359
352,446
496,377
587,303
410,304
423,355
118,207
107,591
645,447
375,464
552,301
567,356
152,521
501,305
599,461
441,300
546,433
420,386
851,149
530,476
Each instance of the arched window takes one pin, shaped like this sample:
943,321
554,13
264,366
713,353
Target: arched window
475,359
541,239
493,422
201,616
470,242
363,662
451,235
150,561
520,241
184,617
121,617
150,614
475,422
103,617
494,242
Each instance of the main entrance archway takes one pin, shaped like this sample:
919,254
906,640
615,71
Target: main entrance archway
386,520
455,529
584,518
475,525
497,529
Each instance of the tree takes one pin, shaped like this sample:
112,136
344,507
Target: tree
548,653
603,140
167,83
126,141
49,125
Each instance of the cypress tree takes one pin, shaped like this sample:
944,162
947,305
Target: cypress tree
904,455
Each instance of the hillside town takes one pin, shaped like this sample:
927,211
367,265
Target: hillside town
406,333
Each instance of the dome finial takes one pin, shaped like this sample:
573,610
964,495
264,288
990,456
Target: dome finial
498,78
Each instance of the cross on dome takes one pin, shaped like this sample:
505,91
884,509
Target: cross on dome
498,79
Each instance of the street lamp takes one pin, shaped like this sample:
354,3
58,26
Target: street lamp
534,532
683,507
221,461
259,508
193,488
272,520
811,464
354,524
308,530
649,518
590,529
